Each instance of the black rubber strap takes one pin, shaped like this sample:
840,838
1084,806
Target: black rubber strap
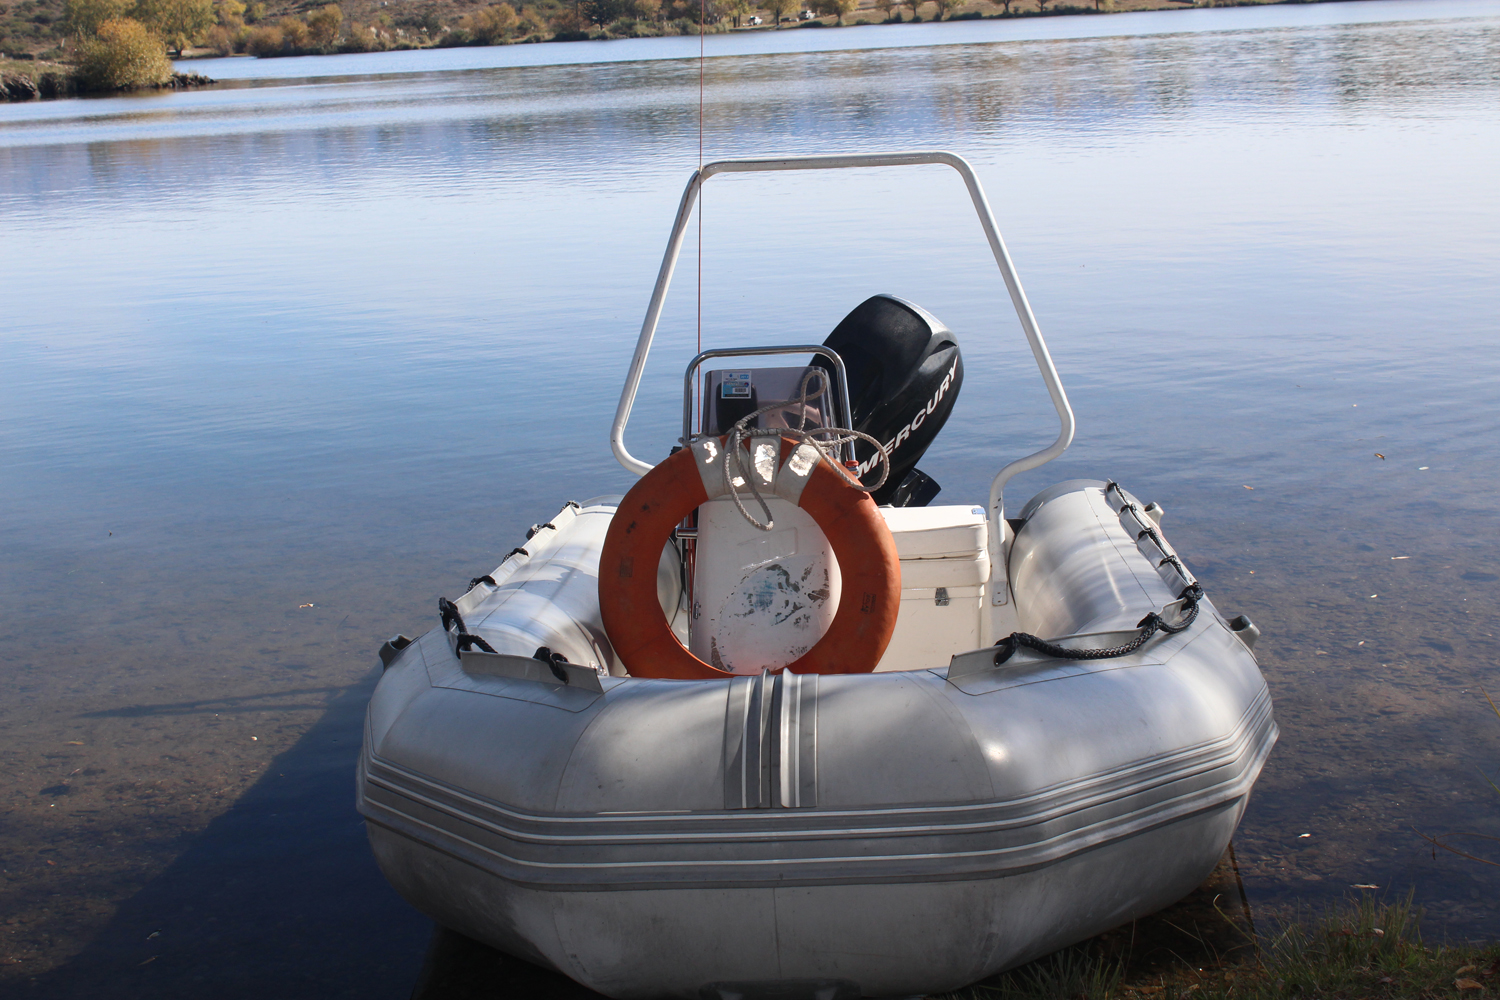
1149,626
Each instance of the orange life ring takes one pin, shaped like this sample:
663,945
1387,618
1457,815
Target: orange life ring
861,543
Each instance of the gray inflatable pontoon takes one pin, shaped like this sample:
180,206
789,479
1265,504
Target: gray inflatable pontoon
977,799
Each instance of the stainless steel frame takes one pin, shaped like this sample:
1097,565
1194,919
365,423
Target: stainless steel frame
841,393
997,246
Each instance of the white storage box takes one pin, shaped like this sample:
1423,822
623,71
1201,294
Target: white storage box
945,567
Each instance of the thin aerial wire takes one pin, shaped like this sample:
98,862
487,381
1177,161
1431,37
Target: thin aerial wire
702,23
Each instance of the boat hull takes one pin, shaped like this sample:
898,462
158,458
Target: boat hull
824,941
885,834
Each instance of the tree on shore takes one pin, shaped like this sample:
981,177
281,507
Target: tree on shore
264,41
231,13
123,54
602,12
294,34
914,5
230,34
84,17
946,7
177,22
492,25
323,25
885,7
838,8
778,10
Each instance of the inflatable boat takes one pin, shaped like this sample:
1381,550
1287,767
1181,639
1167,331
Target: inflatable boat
776,724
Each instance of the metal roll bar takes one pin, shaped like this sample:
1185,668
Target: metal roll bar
997,246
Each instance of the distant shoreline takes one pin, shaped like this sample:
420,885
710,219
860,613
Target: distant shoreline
865,14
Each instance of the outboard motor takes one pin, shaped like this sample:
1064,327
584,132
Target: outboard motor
905,371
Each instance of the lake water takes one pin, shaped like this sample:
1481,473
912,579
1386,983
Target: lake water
285,360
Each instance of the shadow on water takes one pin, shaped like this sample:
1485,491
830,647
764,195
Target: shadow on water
217,706
279,897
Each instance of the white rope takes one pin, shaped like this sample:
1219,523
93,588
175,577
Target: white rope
820,438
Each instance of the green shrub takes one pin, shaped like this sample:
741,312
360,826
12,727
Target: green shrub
176,22
124,55
82,18
294,34
630,27
219,39
323,26
365,38
54,84
490,26
264,41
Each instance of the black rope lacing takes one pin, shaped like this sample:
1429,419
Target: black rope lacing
553,660
451,618
531,531
481,579
516,550
1149,626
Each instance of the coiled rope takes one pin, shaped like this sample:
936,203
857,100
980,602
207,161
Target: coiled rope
737,476
1149,626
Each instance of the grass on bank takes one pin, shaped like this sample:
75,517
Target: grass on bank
24,80
1364,950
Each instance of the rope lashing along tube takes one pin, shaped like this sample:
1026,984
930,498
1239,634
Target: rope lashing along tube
451,618
552,660
1153,534
737,476
481,579
1149,626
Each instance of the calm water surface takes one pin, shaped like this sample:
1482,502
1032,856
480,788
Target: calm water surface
286,360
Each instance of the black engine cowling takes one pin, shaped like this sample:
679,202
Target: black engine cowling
905,371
